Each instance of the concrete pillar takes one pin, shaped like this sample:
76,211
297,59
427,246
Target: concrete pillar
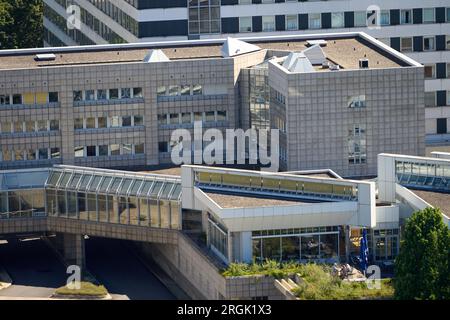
246,247
74,249
347,244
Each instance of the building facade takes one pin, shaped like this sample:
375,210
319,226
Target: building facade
336,105
420,30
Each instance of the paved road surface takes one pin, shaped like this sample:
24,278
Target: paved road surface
34,268
125,277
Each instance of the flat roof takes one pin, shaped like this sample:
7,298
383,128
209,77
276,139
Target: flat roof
342,49
228,200
439,200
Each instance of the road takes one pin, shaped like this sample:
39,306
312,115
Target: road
118,269
34,268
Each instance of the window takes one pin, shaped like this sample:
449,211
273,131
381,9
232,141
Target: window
43,154
357,145
77,96
448,98
448,14
441,125
428,15
79,152
357,101
161,91
17,99
138,120
53,97
209,116
42,125
406,16
6,127
447,42
139,149
125,93
162,119
90,95
18,155
4,99
428,43
360,19
163,147
198,116
18,126
197,90
90,123
174,90
406,44
337,20
101,94
126,121
186,117
291,22
29,126
430,71
204,16
91,151
268,23
102,122
430,99
137,93
78,124
54,125
245,24
221,115
55,153
174,118
245,1
103,150
448,70
115,122
31,154
113,94
315,21
115,150
385,18
185,90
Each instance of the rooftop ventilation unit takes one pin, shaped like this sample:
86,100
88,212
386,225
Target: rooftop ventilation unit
234,47
320,42
334,67
315,55
45,57
155,56
363,63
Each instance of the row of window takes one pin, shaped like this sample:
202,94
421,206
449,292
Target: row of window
30,154
29,126
107,94
426,43
183,90
360,19
279,97
108,122
437,98
117,15
433,71
204,17
108,150
30,98
191,117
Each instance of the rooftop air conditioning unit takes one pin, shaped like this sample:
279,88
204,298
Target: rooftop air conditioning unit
45,57
325,65
363,63
334,67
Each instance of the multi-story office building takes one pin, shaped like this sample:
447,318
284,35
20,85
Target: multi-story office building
338,100
420,29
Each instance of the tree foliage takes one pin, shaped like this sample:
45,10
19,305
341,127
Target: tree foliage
21,24
423,265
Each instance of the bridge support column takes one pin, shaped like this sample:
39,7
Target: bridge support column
74,249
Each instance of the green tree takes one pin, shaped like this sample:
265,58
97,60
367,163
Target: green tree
423,265
21,24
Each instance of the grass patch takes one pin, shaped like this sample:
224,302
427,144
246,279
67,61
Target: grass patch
87,289
319,283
